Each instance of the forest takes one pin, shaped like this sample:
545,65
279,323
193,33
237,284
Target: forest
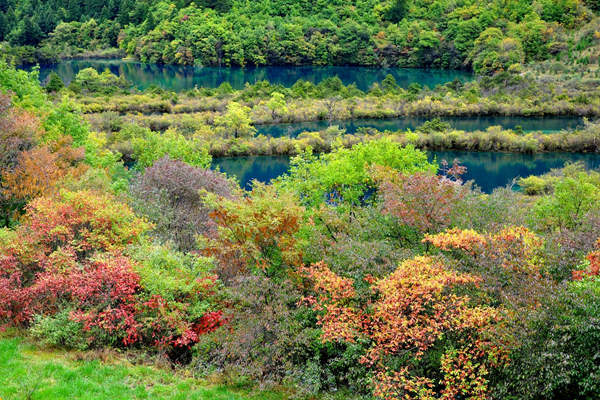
135,265
485,36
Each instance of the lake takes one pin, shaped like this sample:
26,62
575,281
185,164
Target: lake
177,77
469,124
489,170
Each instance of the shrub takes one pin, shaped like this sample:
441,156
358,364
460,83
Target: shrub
424,202
413,351
354,243
152,146
39,170
55,84
557,358
509,261
88,80
272,340
68,255
257,233
342,175
572,199
59,330
19,131
169,194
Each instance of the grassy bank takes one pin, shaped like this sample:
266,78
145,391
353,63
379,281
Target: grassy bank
28,371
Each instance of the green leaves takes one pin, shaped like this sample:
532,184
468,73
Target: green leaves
573,198
154,145
341,177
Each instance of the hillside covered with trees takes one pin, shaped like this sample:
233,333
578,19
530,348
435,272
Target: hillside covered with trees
485,36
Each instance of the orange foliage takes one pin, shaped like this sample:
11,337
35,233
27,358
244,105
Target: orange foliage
461,239
337,321
515,247
40,169
19,131
593,269
510,263
410,311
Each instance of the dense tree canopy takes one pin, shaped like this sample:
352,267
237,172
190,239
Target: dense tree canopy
236,32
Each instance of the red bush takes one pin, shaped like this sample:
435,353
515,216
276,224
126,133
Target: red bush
68,254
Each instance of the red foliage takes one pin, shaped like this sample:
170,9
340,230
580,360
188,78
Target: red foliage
423,201
68,252
593,269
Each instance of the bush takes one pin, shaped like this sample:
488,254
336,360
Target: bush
59,330
273,340
55,84
258,233
572,199
413,352
88,80
151,146
68,255
558,356
342,177
169,193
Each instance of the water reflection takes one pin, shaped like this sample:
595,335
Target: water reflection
175,77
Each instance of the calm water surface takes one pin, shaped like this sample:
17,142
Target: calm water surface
488,170
469,124
175,77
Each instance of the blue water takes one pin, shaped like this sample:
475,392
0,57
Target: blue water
488,170
469,124
177,78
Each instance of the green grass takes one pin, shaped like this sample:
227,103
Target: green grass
28,371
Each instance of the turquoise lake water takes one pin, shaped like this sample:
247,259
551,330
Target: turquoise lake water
489,170
176,77
469,124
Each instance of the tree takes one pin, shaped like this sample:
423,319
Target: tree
237,120
55,84
425,202
277,105
396,11
493,52
572,199
342,176
27,33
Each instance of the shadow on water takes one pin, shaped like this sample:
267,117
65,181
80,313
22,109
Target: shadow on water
176,77
489,170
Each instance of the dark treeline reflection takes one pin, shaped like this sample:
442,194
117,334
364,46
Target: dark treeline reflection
176,77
